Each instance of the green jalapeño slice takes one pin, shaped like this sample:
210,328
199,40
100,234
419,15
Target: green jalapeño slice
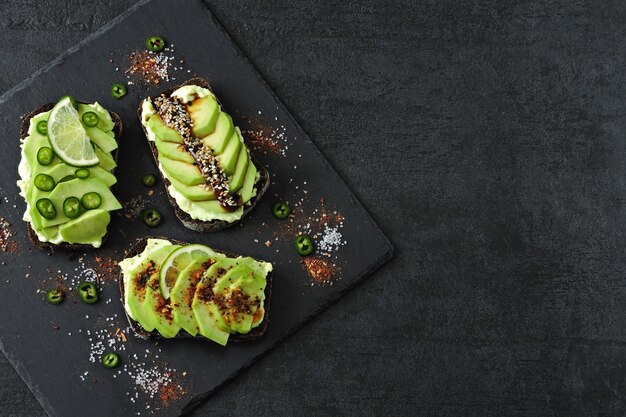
155,43
44,182
91,201
90,119
55,296
148,180
281,210
88,292
118,90
82,173
71,207
110,360
45,155
45,207
151,217
42,127
304,245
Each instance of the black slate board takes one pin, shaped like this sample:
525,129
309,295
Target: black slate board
53,361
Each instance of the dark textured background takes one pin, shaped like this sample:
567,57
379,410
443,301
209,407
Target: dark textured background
487,141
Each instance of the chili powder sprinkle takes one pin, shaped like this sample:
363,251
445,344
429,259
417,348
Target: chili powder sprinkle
264,138
170,391
106,269
149,67
320,270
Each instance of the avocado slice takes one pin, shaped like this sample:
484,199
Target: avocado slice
89,227
207,317
228,159
181,294
214,206
104,175
224,129
237,277
188,174
77,188
58,172
104,141
31,146
241,168
173,150
104,123
159,310
50,233
202,192
248,183
106,160
135,289
163,131
204,112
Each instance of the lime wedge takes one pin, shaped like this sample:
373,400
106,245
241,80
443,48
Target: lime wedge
178,260
68,136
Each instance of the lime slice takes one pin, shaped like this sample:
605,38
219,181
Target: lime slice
178,260
68,136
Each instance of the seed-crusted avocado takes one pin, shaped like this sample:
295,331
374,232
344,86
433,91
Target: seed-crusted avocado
260,316
173,151
204,112
188,174
162,131
201,192
247,178
219,139
51,238
243,162
230,157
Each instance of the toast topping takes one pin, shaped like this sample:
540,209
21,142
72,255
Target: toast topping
211,294
173,111
67,156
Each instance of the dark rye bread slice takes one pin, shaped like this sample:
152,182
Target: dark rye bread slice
117,129
214,225
254,334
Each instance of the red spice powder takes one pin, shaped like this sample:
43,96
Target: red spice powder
170,391
262,137
106,269
148,67
320,270
326,216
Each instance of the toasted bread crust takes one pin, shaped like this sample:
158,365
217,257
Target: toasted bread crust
214,225
117,129
254,334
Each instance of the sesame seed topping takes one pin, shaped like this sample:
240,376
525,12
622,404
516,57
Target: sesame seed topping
173,111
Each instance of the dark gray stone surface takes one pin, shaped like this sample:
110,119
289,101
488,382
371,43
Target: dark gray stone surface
488,142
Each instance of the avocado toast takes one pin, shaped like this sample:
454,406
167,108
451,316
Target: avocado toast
68,204
171,289
211,178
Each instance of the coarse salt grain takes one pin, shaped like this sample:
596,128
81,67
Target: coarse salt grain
331,239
